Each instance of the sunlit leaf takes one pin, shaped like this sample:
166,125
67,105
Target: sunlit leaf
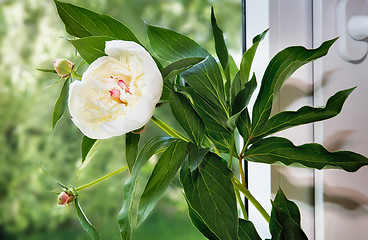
61,103
91,152
248,56
285,219
242,76
87,226
210,193
91,48
131,148
278,70
304,115
163,173
125,214
187,117
312,155
247,231
81,22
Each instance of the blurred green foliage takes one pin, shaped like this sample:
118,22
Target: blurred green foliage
32,36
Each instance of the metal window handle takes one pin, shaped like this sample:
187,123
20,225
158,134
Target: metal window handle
358,27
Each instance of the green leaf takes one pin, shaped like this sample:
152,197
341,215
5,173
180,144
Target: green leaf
233,70
87,226
243,97
200,225
187,117
212,117
248,56
90,153
241,101
278,70
205,77
50,70
196,155
243,124
179,66
312,155
86,145
61,103
304,115
125,214
285,219
163,173
131,148
247,231
220,46
91,48
210,193
81,22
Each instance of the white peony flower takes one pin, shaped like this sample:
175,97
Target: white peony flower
117,93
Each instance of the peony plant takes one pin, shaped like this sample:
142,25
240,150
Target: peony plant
209,98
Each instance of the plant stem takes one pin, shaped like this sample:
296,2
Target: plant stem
250,197
231,152
237,194
100,179
173,133
242,172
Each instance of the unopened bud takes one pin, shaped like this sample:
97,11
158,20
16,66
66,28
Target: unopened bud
65,198
63,67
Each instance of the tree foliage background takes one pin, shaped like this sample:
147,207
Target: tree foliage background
30,35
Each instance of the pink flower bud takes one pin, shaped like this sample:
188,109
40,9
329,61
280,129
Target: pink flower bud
63,67
65,198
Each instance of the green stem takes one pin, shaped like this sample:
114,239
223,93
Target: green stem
242,207
231,153
100,179
250,197
168,129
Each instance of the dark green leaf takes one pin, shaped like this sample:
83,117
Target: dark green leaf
200,225
285,219
125,214
179,66
247,231
241,101
212,117
248,56
131,148
87,226
61,103
91,48
163,173
220,46
278,70
86,145
195,155
304,115
312,155
187,117
243,97
243,124
210,193
81,22
222,140
233,70
205,77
